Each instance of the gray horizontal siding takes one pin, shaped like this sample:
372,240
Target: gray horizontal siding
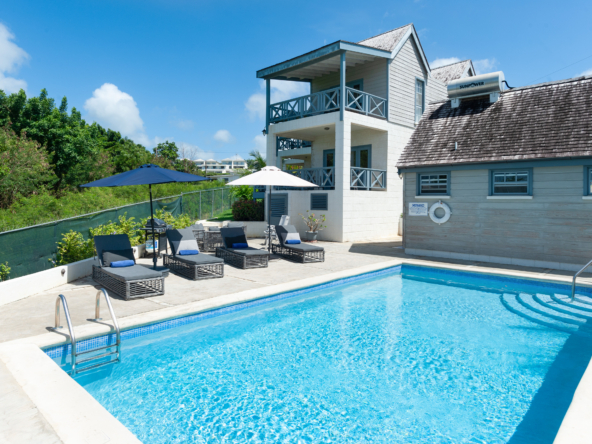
373,74
554,226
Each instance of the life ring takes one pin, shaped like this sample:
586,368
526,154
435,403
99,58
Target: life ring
447,212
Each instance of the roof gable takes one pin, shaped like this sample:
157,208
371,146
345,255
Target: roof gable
454,71
547,121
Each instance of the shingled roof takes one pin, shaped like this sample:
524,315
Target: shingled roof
453,71
387,40
546,121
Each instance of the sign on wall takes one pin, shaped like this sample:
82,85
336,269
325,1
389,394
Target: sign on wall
418,209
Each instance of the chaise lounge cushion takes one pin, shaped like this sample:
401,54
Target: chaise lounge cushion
201,259
135,273
249,251
286,232
182,240
117,256
232,236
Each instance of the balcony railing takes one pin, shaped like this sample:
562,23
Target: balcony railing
325,102
361,178
285,144
367,179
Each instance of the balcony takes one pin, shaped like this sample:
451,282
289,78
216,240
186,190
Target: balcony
360,178
325,102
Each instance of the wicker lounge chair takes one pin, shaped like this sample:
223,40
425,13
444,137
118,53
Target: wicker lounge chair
136,281
240,257
194,266
237,225
296,252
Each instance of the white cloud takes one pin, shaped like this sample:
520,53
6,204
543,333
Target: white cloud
588,72
117,110
260,143
443,62
280,90
11,58
10,85
485,65
193,152
223,136
185,125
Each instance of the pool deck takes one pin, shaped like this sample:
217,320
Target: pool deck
26,415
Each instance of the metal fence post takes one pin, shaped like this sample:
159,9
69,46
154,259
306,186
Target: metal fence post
212,204
200,205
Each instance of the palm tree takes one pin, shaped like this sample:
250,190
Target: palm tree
257,162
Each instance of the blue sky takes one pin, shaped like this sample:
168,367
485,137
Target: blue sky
185,70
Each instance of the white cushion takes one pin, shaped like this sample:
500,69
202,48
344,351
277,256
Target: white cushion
187,244
292,236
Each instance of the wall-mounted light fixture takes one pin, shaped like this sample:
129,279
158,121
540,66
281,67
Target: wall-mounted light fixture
264,132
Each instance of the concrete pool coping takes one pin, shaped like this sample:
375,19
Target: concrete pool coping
76,417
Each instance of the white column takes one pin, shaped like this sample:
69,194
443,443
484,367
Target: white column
267,102
342,171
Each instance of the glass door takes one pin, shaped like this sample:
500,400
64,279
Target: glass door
361,156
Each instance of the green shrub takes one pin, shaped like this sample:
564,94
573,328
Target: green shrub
73,248
242,192
4,271
248,210
181,221
125,226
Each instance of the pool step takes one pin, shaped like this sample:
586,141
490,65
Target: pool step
545,310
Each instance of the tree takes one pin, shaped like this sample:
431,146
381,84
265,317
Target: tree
167,150
257,162
24,168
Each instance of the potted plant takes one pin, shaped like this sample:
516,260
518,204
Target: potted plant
313,224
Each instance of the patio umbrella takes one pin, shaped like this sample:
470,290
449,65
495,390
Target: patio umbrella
272,176
145,175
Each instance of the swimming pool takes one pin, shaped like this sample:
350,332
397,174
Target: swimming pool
410,355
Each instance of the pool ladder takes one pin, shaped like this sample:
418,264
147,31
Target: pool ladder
74,355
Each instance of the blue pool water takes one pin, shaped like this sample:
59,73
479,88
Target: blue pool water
416,356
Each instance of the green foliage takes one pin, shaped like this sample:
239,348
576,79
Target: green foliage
257,161
125,226
181,221
45,206
248,210
167,150
24,168
72,248
242,192
4,271
312,222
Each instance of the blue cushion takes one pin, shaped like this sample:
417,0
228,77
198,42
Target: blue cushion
293,241
121,264
188,252
240,245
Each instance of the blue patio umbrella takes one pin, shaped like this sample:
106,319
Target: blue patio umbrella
145,175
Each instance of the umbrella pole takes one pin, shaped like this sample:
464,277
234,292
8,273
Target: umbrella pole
154,253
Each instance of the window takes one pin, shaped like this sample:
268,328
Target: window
319,201
433,184
588,181
511,182
419,99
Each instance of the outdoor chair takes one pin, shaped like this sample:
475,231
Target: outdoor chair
290,247
237,225
194,266
212,239
199,233
129,282
236,251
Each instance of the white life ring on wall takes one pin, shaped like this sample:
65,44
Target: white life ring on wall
447,212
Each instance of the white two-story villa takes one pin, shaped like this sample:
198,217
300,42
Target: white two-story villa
347,134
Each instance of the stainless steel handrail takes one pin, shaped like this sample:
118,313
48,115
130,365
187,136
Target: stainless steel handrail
69,322
113,318
573,282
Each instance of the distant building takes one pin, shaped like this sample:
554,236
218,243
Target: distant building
228,165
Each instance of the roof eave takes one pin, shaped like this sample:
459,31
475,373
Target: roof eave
318,55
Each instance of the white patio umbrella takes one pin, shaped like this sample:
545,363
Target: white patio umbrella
273,177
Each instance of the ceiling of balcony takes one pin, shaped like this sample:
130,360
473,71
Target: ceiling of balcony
327,66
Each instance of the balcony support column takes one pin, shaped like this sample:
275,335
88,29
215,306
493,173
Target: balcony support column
267,103
342,86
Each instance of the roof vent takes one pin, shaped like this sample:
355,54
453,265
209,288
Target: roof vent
486,84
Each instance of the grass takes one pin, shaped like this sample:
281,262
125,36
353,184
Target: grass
225,215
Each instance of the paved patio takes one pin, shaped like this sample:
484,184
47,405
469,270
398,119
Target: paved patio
35,314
